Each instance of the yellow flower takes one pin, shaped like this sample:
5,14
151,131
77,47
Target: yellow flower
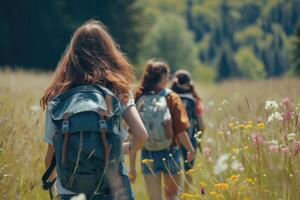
221,133
220,196
202,184
222,186
246,147
147,161
261,125
213,193
250,180
248,126
230,125
185,195
241,126
234,178
190,171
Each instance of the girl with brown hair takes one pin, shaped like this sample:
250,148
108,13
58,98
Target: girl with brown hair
93,58
160,155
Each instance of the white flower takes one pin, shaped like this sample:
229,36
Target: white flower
79,197
34,108
291,136
275,116
224,102
221,164
270,105
274,142
237,166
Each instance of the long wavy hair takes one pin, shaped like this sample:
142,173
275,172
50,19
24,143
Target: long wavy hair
92,57
153,73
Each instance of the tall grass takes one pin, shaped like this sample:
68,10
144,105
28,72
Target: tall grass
238,161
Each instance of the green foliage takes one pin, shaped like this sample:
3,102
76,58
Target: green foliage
249,65
295,61
169,39
35,32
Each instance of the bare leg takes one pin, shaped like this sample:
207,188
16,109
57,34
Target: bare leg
153,185
171,189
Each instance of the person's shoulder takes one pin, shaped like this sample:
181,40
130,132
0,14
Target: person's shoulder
172,95
137,92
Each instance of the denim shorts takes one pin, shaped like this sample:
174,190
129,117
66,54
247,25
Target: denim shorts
188,165
126,183
166,161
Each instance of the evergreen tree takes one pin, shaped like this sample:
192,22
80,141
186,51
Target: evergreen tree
296,52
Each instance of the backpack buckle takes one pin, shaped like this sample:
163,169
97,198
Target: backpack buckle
65,123
103,125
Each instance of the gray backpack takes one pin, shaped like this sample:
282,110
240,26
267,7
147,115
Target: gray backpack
154,111
87,140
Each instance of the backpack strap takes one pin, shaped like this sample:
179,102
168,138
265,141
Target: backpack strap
47,185
65,129
165,92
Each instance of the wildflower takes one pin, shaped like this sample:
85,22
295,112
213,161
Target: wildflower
206,151
221,164
271,105
230,125
190,171
273,148
291,136
246,148
202,184
257,139
286,101
222,186
261,125
248,126
285,150
250,180
213,193
234,178
275,116
241,126
224,102
220,196
35,108
147,161
236,165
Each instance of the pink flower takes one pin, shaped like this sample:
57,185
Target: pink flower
273,148
257,139
286,101
287,115
206,151
285,150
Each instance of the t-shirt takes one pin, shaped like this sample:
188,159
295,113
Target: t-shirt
49,131
180,120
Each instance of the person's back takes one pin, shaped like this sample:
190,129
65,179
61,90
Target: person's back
85,103
185,89
166,121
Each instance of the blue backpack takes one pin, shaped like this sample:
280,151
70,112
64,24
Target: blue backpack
87,141
189,103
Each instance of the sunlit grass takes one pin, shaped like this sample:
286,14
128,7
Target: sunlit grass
234,111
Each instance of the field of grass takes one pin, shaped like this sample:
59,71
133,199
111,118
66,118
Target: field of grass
249,151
